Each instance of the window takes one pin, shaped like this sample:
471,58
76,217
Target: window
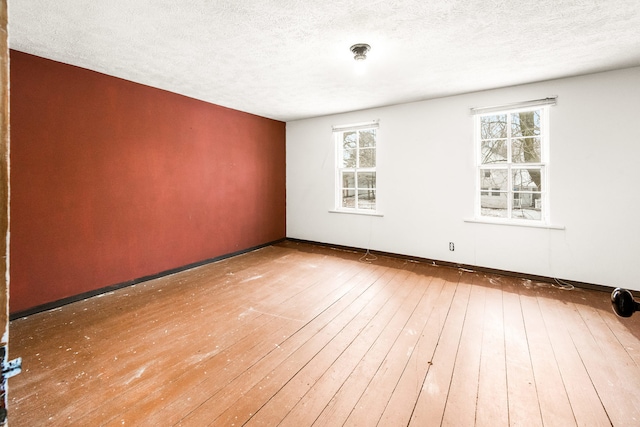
512,162
356,167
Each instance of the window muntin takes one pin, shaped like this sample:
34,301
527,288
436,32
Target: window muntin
356,169
512,164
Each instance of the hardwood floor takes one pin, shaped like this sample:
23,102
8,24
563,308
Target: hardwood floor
300,335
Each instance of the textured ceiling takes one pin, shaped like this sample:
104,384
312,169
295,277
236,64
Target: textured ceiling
290,59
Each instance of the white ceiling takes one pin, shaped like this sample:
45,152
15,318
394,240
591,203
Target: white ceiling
290,59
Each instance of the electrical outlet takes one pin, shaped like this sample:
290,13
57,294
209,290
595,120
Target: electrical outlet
452,247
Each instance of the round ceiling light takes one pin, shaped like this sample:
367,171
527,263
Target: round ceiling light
360,51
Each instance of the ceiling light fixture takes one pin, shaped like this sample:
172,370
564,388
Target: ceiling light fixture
360,51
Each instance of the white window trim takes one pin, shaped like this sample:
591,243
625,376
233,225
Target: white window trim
373,124
526,105
515,223
366,212
339,129
545,220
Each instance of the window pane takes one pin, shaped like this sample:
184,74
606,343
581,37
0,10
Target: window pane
348,198
527,179
525,200
349,158
526,123
349,140
527,206
493,126
367,157
348,180
494,205
368,138
494,179
366,199
494,202
526,150
366,180
494,151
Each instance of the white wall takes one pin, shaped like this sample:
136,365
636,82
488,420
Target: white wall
426,183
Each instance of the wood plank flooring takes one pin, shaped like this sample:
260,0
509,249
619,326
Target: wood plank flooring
300,335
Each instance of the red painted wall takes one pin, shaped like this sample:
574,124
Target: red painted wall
113,181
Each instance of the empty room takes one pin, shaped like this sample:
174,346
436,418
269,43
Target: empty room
320,213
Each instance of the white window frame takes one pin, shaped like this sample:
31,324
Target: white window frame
543,105
338,132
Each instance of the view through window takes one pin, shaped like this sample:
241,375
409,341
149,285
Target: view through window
356,168
512,164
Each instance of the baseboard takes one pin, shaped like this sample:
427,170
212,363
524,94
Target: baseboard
532,277
65,301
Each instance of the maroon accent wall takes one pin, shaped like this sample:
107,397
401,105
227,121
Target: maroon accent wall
112,181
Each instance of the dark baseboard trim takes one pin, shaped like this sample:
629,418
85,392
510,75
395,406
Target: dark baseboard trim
65,301
487,270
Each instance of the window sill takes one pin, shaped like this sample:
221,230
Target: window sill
354,212
515,223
